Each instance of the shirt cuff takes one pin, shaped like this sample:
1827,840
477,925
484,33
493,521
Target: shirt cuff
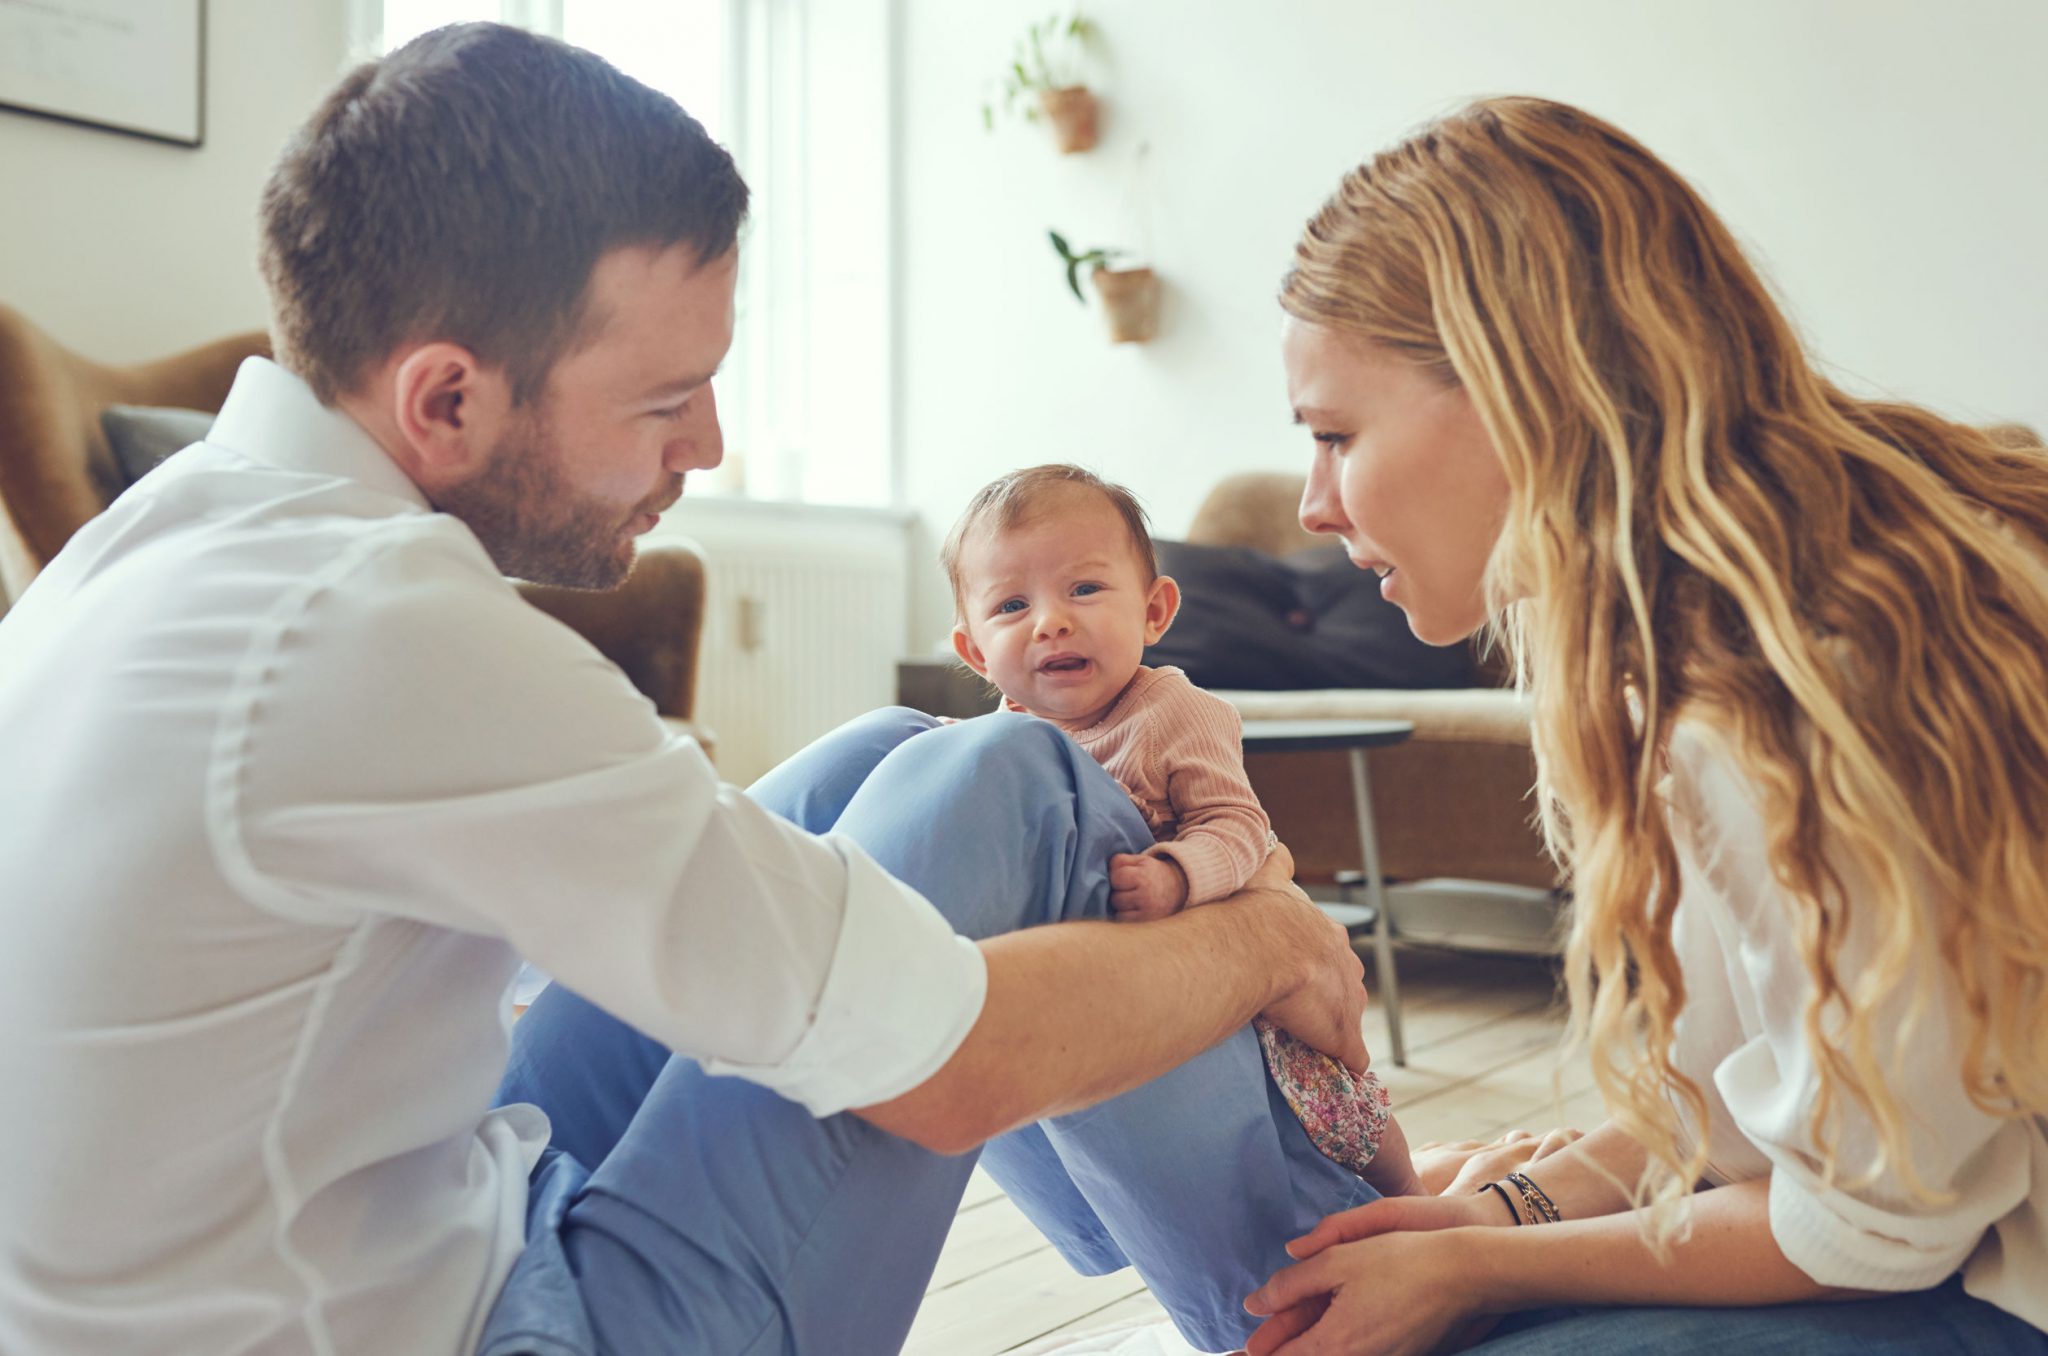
1839,1240
903,991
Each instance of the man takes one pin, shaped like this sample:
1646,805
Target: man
309,776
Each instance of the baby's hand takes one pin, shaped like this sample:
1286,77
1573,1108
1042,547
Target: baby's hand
1142,888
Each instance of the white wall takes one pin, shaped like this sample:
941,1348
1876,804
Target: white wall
127,249
1887,161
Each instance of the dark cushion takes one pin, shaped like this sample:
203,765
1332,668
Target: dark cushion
1307,620
141,436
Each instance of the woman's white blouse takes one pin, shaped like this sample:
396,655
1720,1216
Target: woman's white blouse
1742,1038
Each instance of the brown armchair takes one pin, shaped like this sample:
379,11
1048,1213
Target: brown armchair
57,471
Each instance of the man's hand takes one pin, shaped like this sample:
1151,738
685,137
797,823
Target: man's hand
1323,1003
1143,888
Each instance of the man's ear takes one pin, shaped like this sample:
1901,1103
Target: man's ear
449,410
970,653
1162,605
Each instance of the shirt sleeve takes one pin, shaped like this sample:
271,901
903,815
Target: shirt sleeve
1223,832
413,739
1854,1227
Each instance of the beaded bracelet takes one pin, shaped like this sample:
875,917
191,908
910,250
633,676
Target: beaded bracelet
1541,1208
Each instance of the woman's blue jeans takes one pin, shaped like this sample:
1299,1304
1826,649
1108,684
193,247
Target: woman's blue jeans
1939,1322
677,1212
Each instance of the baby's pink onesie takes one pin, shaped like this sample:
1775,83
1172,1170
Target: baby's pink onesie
1179,752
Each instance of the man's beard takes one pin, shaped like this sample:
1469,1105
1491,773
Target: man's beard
532,520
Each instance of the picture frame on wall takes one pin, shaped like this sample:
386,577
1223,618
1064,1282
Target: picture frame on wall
136,67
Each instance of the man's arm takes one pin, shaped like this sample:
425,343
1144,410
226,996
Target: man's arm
1078,1012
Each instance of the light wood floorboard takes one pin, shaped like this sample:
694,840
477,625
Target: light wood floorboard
1484,1035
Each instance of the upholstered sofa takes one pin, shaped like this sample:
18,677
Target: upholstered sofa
58,468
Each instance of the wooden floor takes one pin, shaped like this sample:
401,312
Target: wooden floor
1483,1035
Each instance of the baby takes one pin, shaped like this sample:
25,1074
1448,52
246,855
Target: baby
1057,595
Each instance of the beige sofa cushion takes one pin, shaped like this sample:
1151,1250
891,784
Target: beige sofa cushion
1443,797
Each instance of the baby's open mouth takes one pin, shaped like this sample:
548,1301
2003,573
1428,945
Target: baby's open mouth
1066,664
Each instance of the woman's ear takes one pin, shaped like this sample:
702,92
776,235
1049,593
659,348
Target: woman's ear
970,653
449,411
1162,605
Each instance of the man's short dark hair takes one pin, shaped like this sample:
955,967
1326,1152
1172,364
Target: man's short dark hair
462,189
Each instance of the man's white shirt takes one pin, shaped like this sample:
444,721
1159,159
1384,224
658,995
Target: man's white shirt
292,778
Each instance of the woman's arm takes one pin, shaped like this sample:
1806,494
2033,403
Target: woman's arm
1727,1256
1587,1177
1407,1292
1593,1177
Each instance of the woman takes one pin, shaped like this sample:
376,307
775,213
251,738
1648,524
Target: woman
1785,651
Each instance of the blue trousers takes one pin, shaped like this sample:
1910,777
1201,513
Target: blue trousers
681,1213
1939,1322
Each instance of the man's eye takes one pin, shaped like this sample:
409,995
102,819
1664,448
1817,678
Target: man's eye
672,412
1010,605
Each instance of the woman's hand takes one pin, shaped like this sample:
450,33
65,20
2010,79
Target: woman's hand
1388,1295
1401,1214
1361,1282
1469,1164
1339,1298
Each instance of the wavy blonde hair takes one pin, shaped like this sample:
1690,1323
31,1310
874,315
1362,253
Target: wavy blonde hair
1701,525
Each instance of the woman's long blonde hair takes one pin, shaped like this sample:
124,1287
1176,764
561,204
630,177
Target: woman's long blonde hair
1701,525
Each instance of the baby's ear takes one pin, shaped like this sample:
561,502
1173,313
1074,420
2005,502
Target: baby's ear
970,653
1162,605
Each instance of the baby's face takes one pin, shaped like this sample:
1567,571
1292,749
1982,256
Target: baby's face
1057,609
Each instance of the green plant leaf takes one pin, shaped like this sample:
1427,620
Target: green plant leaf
1074,279
1059,242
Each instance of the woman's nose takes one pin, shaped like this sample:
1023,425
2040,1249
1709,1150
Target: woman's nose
1320,509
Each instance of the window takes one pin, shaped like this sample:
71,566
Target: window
743,69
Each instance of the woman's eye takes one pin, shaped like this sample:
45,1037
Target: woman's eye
1336,442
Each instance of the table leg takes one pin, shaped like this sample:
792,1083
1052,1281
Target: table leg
1376,895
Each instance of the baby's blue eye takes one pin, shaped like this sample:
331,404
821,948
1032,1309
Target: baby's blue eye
1011,605
1083,590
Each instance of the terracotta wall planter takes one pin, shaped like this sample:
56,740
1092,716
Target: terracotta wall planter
1130,301
1073,113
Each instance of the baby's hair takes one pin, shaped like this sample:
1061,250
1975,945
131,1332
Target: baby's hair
1005,502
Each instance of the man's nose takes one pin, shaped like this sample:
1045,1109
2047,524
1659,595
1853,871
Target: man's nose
700,443
1320,509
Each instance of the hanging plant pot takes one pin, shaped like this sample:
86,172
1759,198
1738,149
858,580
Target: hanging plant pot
1130,301
1073,113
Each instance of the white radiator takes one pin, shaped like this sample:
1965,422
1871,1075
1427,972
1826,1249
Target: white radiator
807,612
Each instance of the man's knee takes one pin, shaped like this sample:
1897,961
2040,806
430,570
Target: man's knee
901,721
1011,739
